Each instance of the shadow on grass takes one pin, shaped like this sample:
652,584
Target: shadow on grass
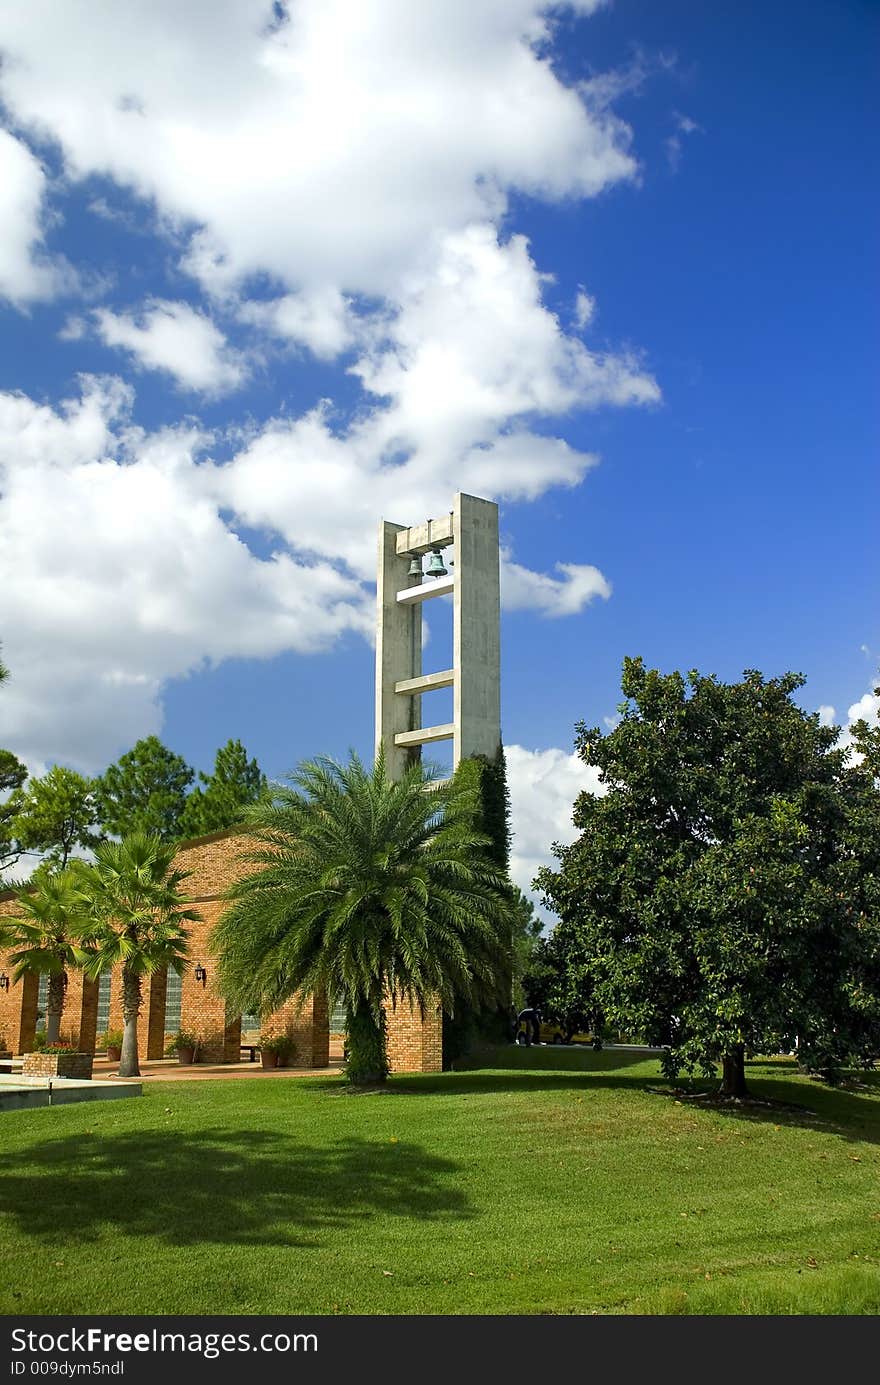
779,1095
787,1099
224,1186
831,1110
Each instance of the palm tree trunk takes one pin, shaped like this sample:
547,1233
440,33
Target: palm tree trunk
367,1062
54,1007
131,1008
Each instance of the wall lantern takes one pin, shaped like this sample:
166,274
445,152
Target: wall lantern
4,981
200,973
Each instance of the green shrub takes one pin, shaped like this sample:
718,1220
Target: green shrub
180,1040
282,1045
112,1039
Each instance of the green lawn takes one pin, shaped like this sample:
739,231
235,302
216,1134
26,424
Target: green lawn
554,1181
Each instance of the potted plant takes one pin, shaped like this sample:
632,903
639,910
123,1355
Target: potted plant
276,1050
112,1041
184,1045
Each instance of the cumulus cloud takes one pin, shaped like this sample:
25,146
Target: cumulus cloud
25,272
327,148
177,339
121,567
320,319
866,709
543,787
524,590
469,356
334,178
117,572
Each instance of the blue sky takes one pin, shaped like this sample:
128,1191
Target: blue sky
268,274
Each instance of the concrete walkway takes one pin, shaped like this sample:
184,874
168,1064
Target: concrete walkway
169,1070
20,1092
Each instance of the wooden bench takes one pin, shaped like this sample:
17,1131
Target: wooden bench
251,1050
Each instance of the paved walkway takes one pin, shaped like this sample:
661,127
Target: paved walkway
169,1070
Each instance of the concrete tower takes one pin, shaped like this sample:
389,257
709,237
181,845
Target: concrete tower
471,526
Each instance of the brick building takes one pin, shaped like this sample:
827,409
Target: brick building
172,1003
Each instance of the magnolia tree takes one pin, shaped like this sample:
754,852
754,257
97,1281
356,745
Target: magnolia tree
723,896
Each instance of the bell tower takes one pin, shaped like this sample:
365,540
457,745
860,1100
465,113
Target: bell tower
470,574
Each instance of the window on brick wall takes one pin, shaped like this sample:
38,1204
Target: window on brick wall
104,1002
173,993
249,1024
42,1002
337,1017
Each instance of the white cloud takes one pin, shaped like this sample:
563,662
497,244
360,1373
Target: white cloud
543,787
175,338
319,318
73,329
25,272
826,715
473,346
674,145
584,309
117,572
524,590
326,150
866,709
120,567
470,355
358,161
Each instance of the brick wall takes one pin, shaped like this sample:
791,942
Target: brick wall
213,863
415,1042
78,1065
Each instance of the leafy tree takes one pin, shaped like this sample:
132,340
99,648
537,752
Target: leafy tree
56,814
484,779
46,938
560,982
144,792
136,919
866,739
371,890
12,776
235,783
527,929
723,894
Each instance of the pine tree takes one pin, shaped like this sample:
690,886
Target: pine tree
235,783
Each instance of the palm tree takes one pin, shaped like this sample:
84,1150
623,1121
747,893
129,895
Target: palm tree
47,936
366,889
132,894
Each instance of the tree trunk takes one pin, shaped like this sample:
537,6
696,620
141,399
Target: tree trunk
733,1079
54,1007
367,1062
131,1008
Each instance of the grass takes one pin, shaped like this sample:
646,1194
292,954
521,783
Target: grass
551,1182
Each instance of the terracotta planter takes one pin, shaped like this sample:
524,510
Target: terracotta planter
186,1056
269,1060
113,1053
